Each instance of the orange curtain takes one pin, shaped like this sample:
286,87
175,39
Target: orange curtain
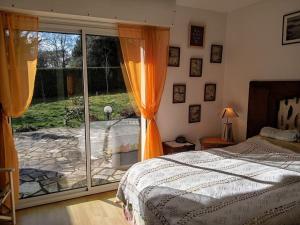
145,54
18,58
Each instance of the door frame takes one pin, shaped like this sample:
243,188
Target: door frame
69,26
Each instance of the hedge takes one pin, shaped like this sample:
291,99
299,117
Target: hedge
52,83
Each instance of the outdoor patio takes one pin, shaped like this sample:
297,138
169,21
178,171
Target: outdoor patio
54,159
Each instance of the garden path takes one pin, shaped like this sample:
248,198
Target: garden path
54,159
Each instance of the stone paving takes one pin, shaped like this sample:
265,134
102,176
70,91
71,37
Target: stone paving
54,159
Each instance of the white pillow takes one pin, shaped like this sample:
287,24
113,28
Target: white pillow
268,132
287,135
283,135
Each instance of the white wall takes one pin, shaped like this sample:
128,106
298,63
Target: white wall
173,118
254,52
143,11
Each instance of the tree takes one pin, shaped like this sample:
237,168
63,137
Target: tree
76,60
55,49
102,53
55,52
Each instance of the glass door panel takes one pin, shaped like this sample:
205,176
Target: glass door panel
114,126
50,136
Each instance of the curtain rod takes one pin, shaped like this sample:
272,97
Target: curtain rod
83,19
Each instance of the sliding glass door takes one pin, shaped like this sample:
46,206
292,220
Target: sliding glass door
80,130
50,136
114,126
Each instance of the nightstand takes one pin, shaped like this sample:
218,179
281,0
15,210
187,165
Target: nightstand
171,147
214,142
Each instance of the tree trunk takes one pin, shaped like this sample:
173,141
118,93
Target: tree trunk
106,73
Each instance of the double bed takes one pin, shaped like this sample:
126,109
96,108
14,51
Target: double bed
254,182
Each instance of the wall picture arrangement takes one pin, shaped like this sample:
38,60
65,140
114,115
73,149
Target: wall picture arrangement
210,92
197,35
216,53
291,28
179,92
196,67
196,38
194,113
174,56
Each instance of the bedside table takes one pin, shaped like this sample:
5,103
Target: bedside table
214,142
171,147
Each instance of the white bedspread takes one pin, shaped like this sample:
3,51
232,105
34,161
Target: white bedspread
254,182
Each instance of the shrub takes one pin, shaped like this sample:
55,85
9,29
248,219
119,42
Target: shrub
74,115
26,128
128,112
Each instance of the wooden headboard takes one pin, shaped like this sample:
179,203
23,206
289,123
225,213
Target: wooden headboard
263,105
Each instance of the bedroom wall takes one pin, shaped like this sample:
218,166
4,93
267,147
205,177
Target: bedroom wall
254,52
172,118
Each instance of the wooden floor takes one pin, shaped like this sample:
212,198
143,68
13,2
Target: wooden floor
99,209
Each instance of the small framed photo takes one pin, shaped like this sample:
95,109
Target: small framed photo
216,53
210,92
291,28
194,113
196,67
174,56
197,35
179,92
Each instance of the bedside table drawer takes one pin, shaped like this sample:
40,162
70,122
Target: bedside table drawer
207,146
214,142
172,147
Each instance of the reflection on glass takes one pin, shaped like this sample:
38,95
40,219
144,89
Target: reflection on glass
50,136
114,126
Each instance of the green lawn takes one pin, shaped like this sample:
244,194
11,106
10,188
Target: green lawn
52,114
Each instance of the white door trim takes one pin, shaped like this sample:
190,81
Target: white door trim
89,189
64,195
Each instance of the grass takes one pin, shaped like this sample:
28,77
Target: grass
52,114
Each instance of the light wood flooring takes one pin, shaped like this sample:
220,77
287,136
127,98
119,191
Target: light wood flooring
99,209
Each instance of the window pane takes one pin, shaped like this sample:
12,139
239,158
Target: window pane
50,136
114,126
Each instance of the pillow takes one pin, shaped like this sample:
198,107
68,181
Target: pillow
283,135
268,132
287,135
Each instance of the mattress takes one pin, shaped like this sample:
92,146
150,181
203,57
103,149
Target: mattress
254,182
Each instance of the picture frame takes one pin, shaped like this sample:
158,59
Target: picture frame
291,28
179,93
196,67
174,56
194,113
216,52
196,35
210,91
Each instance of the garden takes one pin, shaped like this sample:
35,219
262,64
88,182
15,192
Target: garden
55,113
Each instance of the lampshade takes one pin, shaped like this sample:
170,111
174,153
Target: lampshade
229,113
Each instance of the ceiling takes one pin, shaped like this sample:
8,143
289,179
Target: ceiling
217,5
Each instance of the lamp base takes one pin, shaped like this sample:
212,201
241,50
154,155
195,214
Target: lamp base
228,136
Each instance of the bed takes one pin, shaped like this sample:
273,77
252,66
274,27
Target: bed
254,182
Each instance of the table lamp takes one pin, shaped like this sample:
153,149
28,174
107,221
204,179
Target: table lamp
228,113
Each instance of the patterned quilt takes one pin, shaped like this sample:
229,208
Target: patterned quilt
254,182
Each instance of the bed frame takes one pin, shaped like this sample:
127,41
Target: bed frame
263,105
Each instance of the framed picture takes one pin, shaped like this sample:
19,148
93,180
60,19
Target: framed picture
174,56
197,35
210,92
291,28
179,92
196,67
216,53
194,113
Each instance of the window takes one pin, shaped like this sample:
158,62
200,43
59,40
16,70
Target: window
59,147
